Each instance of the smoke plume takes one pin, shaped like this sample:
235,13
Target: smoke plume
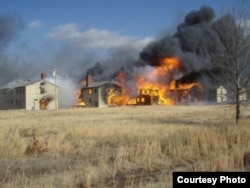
66,91
194,44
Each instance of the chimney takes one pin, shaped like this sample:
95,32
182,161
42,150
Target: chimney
88,79
43,76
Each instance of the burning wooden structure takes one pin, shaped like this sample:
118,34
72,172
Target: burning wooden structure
154,86
100,94
190,93
158,86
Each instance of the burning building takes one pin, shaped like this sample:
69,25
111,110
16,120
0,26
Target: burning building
160,85
150,85
100,94
29,95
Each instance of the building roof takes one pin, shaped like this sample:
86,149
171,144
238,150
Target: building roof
98,84
16,84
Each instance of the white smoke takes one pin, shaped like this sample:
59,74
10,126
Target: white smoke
66,90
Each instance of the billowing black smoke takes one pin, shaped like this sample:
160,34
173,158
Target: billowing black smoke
204,15
195,44
122,58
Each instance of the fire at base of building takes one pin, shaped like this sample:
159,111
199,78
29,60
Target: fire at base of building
103,94
98,94
154,85
29,95
179,94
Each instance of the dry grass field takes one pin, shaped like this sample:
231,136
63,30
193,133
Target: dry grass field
120,146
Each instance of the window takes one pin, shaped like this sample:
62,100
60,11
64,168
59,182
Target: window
90,90
89,100
42,90
42,83
95,90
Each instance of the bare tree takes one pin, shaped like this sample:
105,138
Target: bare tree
234,59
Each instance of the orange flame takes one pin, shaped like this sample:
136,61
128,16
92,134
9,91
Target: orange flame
153,89
79,101
157,86
152,85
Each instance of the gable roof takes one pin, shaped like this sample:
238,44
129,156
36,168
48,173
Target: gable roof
99,84
15,84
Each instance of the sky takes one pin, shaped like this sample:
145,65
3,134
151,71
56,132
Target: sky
130,17
75,34
136,18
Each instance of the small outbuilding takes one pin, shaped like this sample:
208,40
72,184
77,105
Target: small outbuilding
225,95
222,94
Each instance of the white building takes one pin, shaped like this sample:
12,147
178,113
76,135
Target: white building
29,95
221,94
243,95
224,96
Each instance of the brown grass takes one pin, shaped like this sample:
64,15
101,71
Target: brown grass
121,146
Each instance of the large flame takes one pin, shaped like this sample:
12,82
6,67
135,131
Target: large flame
158,86
154,85
79,100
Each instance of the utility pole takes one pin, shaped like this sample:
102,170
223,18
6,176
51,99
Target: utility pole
54,74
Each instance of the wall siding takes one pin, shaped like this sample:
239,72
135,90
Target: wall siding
13,98
102,97
28,97
91,99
